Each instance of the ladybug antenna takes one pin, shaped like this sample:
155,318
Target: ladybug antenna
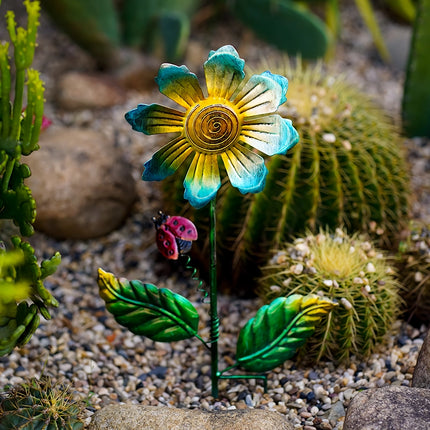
161,219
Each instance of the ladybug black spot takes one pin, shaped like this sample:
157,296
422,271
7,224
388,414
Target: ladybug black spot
161,235
167,243
170,252
181,228
175,222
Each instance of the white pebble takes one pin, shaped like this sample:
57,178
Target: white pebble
418,277
347,145
314,410
275,288
329,137
346,303
286,282
297,269
370,268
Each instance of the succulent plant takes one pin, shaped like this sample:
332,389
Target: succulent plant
21,120
413,262
348,169
345,269
40,404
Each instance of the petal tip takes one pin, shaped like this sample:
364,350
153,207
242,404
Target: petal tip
135,117
226,49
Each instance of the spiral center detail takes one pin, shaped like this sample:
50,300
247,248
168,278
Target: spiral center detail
212,128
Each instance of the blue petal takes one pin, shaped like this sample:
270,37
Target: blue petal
202,181
261,95
281,80
166,160
154,119
246,169
223,72
291,135
269,134
179,84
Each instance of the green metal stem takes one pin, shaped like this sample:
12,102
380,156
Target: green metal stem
213,301
262,377
203,341
233,366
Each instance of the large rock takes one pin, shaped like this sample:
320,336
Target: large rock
77,90
81,183
389,408
421,378
132,417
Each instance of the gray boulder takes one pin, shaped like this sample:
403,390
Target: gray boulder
81,183
421,378
132,417
77,90
389,408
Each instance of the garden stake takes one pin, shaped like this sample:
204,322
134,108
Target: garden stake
236,114
214,301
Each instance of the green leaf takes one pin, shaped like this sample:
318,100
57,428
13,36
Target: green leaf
144,309
278,330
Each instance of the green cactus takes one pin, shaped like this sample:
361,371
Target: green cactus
93,25
347,270
163,26
347,169
40,404
103,27
416,93
413,266
286,25
19,134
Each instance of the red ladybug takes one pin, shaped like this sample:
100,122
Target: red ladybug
174,235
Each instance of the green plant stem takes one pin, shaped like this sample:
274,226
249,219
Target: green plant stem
8,173
17,104
213,300
366,11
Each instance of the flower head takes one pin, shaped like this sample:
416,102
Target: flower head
236,114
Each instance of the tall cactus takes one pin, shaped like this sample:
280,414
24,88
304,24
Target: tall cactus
416,95
348,169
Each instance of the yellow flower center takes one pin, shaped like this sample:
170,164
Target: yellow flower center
212,128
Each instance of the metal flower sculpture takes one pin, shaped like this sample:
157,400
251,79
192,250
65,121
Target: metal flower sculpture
236,113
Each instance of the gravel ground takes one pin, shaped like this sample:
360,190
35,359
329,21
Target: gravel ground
83,343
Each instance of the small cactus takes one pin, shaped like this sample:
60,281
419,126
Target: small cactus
348,169
347,270
40,404
413,262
